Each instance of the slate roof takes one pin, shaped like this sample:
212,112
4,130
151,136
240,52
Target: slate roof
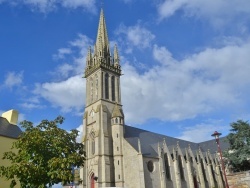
9,130
149,142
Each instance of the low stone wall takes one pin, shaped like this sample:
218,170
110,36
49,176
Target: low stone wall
239,180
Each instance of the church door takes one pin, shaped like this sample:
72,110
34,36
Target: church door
92,182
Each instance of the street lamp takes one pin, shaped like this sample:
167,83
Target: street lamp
217,135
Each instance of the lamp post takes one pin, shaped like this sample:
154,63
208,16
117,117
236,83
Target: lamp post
217,135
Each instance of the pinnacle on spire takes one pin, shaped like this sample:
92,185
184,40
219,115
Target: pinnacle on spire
89,57
117,112
116,57
139,146
102,42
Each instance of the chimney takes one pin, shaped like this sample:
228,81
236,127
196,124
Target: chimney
11,116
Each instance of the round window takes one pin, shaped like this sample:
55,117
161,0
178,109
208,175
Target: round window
150,166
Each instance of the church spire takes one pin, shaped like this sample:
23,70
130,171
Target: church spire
102,42
101,57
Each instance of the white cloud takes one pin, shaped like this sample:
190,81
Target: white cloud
68,94
211,80
136,36
202,132
89,4
65,69
50,5
31,106
13,79
62,52
217,12
162,55
80,133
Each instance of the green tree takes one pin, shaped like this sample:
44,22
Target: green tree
238,153
45,155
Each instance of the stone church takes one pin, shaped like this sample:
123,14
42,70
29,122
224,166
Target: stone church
118,155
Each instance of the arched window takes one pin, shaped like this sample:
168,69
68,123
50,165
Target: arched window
167,169
116,120
113,87
150,166
118,89
106,86
203,170
92,143
181,167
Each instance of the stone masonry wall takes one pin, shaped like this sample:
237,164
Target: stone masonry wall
239,180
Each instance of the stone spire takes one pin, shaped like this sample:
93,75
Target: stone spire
101,57
102,42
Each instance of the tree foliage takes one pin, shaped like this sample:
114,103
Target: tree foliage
45,155
238,153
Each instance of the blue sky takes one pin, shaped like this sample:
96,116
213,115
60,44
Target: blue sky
185,62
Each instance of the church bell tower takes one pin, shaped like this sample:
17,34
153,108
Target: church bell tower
103,118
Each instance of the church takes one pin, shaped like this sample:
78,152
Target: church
118,155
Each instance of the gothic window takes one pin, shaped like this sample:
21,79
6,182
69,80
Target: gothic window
106,86
118,91
181,167
93,143
167,169
117,135
118,162
113,87
172,156
102,84
203,170
96,87
116,120
117,148
119,176
150,166
213,173
93,146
